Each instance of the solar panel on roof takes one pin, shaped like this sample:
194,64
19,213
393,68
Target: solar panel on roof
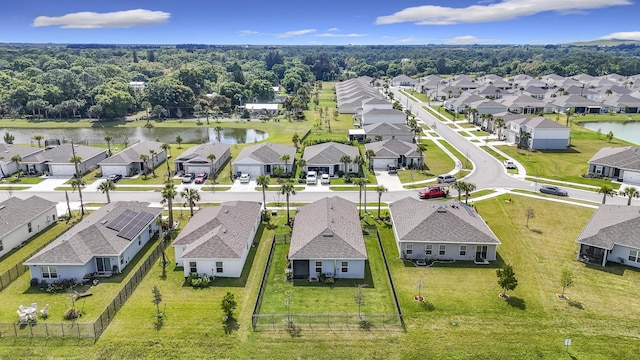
121,220
135,225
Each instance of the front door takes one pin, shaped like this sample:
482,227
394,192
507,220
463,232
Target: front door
481,252
103,264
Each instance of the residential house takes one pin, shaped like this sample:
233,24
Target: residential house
196,159
543,133
8,151
448,230
396,153
388,131
621,163
611,235
327,239
217,239
264,158
578,104
403,80
327,158
55,160
526,104
625,104
262,109
22,219
129,162
103,243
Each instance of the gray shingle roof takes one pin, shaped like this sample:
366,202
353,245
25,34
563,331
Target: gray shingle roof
91,236
328,153
266,153
439,222
627,157
393,148
7,151
62,153
15,212
132,153
611,225
219,231
328,228
200,152
385,128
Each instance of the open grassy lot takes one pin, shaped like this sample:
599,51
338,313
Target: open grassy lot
436,162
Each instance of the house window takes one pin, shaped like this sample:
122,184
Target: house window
409,249
1,245
318,267
598,169
463,250
442,249
634,255
219,266
29,227
193,267
53,217
428,250
121,260
345,266
49,272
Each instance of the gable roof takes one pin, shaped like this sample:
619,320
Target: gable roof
439,222
612,225
7,151
539,122
15,212
328,153
198,154
132,153
393,148
92,236
266,153
62,153
385,128
219,231
328,228
627,157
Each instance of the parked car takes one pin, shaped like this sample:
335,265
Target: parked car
200,178
325,179
392,169
187,178
509,164
312,178
115,178
446,179
553,190
433,192
245,178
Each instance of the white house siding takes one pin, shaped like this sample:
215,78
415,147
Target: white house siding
198,169
230,267
381,163
452,251
115,170
76,272
547,144
622,252
18,236
138,243
333,267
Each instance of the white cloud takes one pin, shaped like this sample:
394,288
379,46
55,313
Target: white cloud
340,35
628,35
248,33
498,11
333,29
92,20
295,33
410,40
469,40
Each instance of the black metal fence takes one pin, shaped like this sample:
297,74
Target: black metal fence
263,282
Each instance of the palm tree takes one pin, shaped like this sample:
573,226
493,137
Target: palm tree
17,159
212,169
345,159
77,160
370,154
631,192
360,183
287,189
38,138
108,139
380,189
301,163
179,141
78,183
459,186
191,196
606,190
468,187
286,158
422,148
106,187
166,147
263,181
218,129
168,194
143,159
499,123
569,112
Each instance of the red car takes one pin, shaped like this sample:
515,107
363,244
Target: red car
433,192
201,178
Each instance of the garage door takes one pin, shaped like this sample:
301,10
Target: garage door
253,170
381,164
631,177
62,170
114,170
198,169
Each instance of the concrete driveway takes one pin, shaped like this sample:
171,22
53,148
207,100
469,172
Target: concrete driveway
390,181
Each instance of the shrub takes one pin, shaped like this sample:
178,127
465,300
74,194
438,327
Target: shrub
198,280
72,314
60,285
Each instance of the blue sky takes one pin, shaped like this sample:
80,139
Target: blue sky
330,22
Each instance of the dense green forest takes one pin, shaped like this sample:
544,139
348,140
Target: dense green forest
67,81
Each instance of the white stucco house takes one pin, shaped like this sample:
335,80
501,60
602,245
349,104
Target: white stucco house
611,235
8,151
128,162
55,160
327,239
103,243
448,230
388,131
617,163
264,158
544,133
20,220
396,153
196,159
217,239
326,158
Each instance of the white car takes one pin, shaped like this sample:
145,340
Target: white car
510,164
312,178
325,179
245,178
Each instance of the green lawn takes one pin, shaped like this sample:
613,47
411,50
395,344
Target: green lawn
436,162
24,180
466,164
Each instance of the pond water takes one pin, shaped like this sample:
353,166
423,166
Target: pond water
625,131
121,135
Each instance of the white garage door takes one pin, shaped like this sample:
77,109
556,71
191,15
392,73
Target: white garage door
198,169
253,170
62,170
381,164
114,170
631,177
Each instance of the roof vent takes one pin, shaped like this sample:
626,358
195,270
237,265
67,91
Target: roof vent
2,207
442,210
327,234
103,222
224,230
226,211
